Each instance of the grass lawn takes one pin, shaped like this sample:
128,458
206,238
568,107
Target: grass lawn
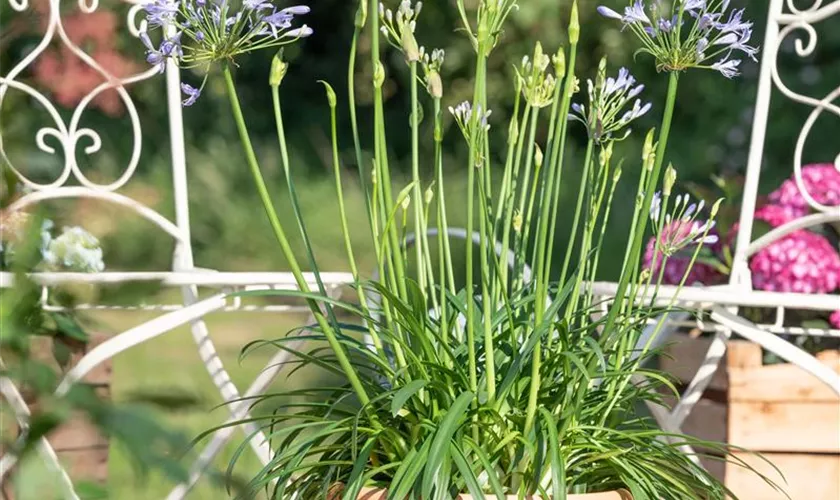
170,366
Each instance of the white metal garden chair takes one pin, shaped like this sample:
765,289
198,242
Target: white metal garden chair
73,183
722,302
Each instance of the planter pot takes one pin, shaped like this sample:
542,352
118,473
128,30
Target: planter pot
380,494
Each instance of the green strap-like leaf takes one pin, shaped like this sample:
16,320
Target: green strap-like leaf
404,394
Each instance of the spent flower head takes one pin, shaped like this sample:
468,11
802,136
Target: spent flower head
609,109
398,28
689,33
214,30
537,83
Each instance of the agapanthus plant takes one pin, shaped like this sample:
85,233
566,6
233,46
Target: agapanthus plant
509,382
197,33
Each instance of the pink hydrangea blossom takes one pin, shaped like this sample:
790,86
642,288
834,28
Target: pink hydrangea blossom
834,319
822,183
776,215
677,265
802,262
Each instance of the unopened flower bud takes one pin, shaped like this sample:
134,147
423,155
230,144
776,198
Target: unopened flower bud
513,130
538,157
406,202
361,15
409,46
429,195
574,25
434,84
714,210
669,180
278,69
559,60
645,274
647,149
378,75
617,173
517,221
330,93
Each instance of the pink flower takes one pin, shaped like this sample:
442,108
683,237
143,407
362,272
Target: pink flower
677,264
801,262
821,182
776,215
834,319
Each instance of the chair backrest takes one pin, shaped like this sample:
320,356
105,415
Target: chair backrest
783,21
71,182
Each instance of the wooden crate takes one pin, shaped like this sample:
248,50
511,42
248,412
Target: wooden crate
791,418
778,410
82,449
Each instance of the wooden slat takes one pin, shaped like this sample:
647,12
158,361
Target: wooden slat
780,383
806,477
683,356
706,421
793,427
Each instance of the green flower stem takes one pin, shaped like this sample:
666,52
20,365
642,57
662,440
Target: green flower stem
518,251
442,224
589,229
377,342
259,182
547,188
500,287
419,226
557,158
480,73
587,160
508,204
596,260
638,236
354,126
284,158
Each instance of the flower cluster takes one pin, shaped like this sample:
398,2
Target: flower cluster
820,180
684,217
217,32
399,29
680,264
802,262
710,37
472,123
608,100
431,64
75,249
537,84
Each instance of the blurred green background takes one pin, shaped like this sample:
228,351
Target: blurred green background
711,134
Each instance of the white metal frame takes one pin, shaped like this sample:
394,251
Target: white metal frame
722,302
71,182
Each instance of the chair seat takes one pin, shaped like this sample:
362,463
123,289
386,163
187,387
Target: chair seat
198,277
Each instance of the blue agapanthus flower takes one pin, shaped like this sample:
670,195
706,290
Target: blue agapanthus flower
206,31
690,34
613,105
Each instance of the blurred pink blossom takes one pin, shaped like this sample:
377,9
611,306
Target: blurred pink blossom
821,182
834,319
802,262
676,265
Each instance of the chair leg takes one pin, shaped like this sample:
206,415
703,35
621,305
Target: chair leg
239,410
45,449
221,379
